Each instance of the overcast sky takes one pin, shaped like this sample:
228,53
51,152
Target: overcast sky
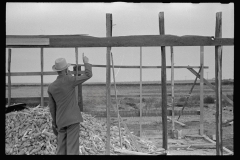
128,19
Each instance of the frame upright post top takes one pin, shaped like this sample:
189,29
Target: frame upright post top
218,81
164,84
108,80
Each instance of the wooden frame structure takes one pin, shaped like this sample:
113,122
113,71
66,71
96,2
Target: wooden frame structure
162,40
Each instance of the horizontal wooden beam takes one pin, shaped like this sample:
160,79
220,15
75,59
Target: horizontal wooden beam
138,95
149,67
199,146
27,41
127,152
120,41
38,73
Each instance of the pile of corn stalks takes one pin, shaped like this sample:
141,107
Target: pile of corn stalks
30,132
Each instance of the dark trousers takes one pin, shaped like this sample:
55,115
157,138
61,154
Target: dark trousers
68,140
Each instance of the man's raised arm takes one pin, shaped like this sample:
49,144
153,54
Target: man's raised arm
88,72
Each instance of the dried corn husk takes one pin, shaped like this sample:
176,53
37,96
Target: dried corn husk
29,132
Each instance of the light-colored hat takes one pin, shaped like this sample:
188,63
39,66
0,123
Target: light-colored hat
60,64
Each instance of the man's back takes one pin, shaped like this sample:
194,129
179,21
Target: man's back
63,94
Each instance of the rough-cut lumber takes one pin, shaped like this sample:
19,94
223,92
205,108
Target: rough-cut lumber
115,89
199,146
9,77
172,86
120,41
218,84
180,123
127,152
118,66
137,95
211,86
164,82
41,56
27,41
38,73
76,57
201,90
195,136
80,98
108,81
211,141
140,123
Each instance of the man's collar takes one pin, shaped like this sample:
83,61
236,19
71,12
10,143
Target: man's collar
61,75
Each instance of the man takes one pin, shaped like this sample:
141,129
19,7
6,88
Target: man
64,108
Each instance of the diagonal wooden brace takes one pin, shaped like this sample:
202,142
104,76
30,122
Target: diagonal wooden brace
211,86
190,92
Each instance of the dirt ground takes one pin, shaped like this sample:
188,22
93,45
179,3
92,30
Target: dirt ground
152,130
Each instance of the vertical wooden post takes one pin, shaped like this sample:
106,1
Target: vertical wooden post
172,84
218,83
76,88
42,102
80,99
140,92
9,76
201,89
115,88
164,85
108,80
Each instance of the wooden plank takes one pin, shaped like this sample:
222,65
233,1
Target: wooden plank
145,67
76,57
9,77
80,98
137,95
211,86
140,123
180,123
199,146
41,56
218,84
108,80
211,141
194,136
127,152
164,86
115,89
38,73
126,41
27,41
201,90
172,87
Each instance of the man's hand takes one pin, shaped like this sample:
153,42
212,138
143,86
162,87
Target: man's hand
85,59
68,72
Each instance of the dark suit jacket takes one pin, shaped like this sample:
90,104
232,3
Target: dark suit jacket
62,98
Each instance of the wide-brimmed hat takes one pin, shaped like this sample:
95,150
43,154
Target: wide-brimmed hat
60,64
